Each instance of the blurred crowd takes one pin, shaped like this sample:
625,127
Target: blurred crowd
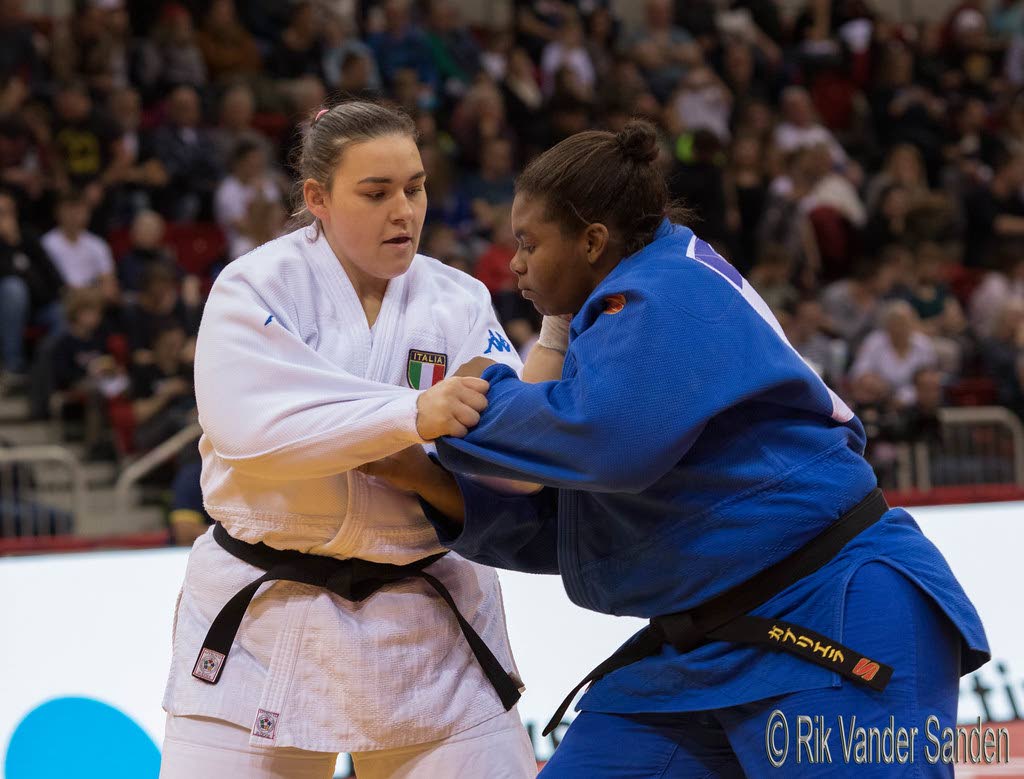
865,173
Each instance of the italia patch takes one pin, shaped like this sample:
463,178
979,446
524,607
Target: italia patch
425,369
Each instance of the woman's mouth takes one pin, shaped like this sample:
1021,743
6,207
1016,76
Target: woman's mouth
399,240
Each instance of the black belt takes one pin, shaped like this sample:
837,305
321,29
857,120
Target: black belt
725,618
352,579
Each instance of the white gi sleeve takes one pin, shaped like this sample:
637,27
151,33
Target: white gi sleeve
486,337
272,407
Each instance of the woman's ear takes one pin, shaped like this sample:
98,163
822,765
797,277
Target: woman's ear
316,198
596,236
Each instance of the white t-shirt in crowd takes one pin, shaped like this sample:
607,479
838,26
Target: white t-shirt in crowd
231,203
81,262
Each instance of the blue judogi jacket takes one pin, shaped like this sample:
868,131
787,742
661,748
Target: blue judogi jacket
687,447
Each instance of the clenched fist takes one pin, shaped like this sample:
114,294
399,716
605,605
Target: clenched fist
451,407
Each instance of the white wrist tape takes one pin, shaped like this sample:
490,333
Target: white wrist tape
554,334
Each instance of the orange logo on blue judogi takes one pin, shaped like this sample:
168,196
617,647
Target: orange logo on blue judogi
613,304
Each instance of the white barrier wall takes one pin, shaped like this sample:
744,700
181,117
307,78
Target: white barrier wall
85,645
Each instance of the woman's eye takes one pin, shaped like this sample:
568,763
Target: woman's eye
376,195
413,191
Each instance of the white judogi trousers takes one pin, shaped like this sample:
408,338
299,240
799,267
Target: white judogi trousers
206,748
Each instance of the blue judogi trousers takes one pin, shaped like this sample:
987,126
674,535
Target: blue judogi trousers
886,617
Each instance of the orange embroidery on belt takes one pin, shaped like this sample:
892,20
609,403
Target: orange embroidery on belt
613,304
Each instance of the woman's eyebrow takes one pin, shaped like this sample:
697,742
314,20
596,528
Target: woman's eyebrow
386,180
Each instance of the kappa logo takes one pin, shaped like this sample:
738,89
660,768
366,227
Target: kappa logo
497,343
266,724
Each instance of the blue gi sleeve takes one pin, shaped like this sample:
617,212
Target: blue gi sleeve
638,388
514,532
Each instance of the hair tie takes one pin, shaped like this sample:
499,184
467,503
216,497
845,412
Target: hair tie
320,113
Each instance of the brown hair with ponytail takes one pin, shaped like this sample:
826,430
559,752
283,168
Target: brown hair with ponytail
609,178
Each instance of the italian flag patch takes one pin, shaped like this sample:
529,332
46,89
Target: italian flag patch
426,368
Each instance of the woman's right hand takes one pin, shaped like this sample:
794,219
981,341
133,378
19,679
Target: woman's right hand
451,407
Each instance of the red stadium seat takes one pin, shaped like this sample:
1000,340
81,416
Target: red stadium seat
197,245
120,241
272,125
963,281
122,420
976,391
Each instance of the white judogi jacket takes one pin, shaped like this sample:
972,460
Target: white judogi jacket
294,391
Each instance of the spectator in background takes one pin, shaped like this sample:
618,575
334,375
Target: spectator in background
82,369
240,196
995,213
101,39
896,351
921,419
358,77
938,311
17,43
299,52
904,167
171,56
567,50
348,65
996,289
456,55
446,204
158,307
976,149
188,154
82,258
83,143
24,149
524,101
703,102
854,303
403,45
697,177
163,401
136,175
771,276
229,50
800,128
493,185
907,110
661,48
888,223
29,289
805,324
1003,355
479,117
235,123
147,249
746,192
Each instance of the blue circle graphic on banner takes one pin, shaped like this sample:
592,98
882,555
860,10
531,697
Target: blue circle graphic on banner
80,737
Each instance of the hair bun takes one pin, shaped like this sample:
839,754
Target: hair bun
638,141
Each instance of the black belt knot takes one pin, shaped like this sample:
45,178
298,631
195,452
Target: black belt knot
352,579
